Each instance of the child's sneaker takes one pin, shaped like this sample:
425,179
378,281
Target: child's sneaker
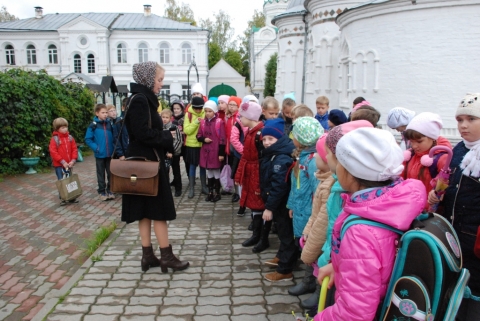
103,197
111,196
273,262
73,201
63,203
275,277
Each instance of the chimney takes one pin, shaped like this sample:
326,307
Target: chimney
38,12
147,10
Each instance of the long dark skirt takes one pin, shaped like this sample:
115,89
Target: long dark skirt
192,155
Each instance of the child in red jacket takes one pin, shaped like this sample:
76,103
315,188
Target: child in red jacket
248,171
63,150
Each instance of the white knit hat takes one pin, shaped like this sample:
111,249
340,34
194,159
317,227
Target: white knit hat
399,116
212,105
248,98
371,154
470,105
427,124
197,88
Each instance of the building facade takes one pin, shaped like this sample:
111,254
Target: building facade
391,52
100,44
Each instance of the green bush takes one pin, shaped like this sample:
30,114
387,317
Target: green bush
30,101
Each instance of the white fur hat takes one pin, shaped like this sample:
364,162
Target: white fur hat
371,154
212,105
248,98
197,88
399,116
427,124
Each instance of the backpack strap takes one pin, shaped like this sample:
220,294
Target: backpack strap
355,220
57,140
241,137
93,126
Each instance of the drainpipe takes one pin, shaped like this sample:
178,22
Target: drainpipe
305,47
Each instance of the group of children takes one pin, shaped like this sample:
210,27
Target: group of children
308,173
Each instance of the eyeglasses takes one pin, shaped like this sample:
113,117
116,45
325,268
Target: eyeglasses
233,105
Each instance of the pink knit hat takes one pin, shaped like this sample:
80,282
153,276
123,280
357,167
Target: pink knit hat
223,98
427,123
337,132
363,103
250,110
321,151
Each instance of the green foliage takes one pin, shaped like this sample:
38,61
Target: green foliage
30,102
6,16
94,242
214,54
181,13
270,76
234,59
221,30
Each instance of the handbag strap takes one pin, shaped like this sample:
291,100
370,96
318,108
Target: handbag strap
123,124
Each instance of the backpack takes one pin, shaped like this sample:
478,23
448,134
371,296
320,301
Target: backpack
57,140
427,282
241,138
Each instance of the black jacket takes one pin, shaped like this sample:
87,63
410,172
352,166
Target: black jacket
143,140
462,203
274,178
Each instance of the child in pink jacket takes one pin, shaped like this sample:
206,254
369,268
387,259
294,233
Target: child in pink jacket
369,166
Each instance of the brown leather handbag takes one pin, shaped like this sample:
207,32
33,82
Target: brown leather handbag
134,175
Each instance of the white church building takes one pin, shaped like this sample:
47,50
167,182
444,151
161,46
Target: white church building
417,54
92,45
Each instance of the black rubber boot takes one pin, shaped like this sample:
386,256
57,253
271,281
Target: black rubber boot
209,197
263,244
250,226
257,231
307,285
217,196
203,180
191,186
312,301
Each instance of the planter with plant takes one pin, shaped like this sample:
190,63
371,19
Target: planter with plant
31,157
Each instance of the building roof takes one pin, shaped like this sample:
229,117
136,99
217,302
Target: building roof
295,7
273,1
113,21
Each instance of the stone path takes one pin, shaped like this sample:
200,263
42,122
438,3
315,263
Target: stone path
40,241
224,282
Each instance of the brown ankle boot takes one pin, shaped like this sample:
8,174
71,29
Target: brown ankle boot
148,258
169,260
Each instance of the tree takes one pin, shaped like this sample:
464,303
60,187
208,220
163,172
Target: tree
257,21
5,16
221,30
234,59
270,76
182,13
214,54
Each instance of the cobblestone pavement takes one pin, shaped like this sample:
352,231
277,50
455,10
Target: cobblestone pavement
224,281
40,241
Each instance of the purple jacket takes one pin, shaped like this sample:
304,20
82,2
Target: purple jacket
215,130
363,260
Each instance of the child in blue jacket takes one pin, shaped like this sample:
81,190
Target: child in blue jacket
99,138
274,188
306,132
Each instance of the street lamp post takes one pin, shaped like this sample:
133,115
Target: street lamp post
192,64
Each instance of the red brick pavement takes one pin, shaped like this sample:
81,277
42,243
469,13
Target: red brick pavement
40,241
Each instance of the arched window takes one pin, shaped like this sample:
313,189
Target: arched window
52,55
142,53
91,64
122,54
77,64
31,55
164,53
10,54
186,53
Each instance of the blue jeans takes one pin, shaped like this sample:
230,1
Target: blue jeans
59,172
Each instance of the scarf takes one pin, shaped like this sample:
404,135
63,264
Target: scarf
144,73
471,162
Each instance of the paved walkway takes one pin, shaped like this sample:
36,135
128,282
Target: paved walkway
40,241
224,282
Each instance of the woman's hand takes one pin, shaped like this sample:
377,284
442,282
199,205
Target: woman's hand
221,158
169,155
121,158
290,213
432,198
208,140
267,215
324,271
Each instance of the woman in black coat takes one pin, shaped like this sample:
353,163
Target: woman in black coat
144,141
